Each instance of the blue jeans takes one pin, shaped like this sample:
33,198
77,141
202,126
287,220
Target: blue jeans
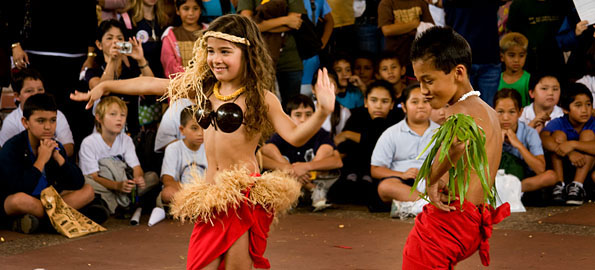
289,84
369,38
485,78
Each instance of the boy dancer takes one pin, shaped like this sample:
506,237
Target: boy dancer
445,234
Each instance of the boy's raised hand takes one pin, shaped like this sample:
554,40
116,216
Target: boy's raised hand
325,92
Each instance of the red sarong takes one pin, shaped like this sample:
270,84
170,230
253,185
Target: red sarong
208,242
439,239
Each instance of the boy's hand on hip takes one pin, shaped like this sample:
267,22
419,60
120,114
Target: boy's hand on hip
437,195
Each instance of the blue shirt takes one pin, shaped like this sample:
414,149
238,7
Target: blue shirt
213,10
352,98
398,147
528,137
563,124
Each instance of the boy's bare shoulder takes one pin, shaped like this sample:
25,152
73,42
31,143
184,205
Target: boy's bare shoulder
484,115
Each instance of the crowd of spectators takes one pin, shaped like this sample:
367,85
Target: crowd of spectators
533,61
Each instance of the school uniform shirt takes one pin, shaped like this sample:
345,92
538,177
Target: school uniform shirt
169,128
352,98
529,114
304,153
528,137
182,164
563,124
398,147
12,126
94,148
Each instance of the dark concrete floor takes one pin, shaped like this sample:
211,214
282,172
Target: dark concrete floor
348,237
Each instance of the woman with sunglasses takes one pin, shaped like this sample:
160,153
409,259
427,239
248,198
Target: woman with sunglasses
230,80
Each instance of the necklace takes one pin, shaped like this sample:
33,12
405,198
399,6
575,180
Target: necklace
228,97
468,94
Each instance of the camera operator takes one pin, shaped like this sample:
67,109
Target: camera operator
119,60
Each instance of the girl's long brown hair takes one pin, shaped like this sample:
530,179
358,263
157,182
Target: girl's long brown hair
197,81
161,15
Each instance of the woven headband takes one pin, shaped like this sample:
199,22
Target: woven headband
228,37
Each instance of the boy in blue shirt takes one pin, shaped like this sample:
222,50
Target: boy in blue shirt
571,138
32,161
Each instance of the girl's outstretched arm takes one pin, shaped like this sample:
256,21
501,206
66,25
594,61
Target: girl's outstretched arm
299,135
136,86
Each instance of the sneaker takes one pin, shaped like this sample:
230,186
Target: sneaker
402,210
418,206
319,198
575,194
558,195
26,224
395,209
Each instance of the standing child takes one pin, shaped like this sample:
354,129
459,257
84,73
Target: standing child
441,60
513,53
521,143
544,89
571,138
25,83
176,51
395,163
110,144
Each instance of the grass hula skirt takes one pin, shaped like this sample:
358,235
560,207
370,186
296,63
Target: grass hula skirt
464,128
199,201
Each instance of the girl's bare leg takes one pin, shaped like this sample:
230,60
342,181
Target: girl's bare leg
238,256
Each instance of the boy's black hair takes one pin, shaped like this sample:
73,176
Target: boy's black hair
384,55
179,3
509,93
381,84
444,47
407,91
338,56
19,78
571,91
537,76
295,102
186,115
39,102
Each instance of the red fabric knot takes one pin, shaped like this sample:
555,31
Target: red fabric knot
490,217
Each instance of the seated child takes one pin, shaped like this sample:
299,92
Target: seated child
438,116
571,138
350,87
32,161
363,67
335,122
110,153
513,53
544,89
169,127
184,159
25,83
394,160
309,161
356,143
390,69
522,145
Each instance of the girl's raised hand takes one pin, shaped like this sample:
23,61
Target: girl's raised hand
94,94
137,49
325,92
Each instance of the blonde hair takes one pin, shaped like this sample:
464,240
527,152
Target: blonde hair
512,39
138,15
197,81
102,106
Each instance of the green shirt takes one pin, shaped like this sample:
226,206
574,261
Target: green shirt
289,60
521,86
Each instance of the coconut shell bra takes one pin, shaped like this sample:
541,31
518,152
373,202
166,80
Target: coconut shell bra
227,118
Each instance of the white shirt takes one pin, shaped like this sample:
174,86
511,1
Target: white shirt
345,113
529,114
588,81
169,128
12,126
94,148
183,164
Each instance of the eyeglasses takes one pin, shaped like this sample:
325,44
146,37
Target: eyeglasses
228,117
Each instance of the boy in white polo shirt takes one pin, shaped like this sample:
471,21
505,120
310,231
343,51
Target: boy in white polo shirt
25,83
394,158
